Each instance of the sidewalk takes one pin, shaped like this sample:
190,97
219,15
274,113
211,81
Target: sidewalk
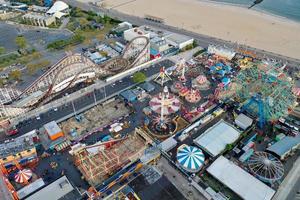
179,181
290,185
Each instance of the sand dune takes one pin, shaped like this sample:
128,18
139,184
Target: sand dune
227,22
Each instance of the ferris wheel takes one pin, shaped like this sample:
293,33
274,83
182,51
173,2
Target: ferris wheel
266,167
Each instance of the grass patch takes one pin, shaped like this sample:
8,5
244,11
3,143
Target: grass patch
61,44
18,58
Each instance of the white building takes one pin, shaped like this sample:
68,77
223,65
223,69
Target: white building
179,41
36,19
243,121
221,51
133,33
215,139
239,181
59,9
59,189
159,44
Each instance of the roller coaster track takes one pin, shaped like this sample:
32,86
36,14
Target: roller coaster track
75,65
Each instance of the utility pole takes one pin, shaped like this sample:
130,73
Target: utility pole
74,110
95,99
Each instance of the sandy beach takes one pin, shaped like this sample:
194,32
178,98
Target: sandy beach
227,22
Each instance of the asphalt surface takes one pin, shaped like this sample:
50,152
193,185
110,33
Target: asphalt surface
162,189
35,36
69,108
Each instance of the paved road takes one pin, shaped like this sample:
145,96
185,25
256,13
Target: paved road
290,187
203,40
86,100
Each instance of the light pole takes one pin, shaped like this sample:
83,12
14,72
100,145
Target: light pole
74,110
95,99
104,92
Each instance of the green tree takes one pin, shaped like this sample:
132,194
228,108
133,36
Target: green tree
139,77
229,147
2,50
15,75
83,22
21,42
106,19
2,81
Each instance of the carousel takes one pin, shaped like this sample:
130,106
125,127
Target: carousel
23,176
176,87
193,96
201,82
190,158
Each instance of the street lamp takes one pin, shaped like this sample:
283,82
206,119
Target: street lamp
95,99
104,89
74,110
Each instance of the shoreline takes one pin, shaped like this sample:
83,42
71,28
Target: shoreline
254,10
232,23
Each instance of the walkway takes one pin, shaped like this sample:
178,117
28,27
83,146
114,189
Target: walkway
290,187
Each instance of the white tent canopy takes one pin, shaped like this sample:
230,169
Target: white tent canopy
58,6
239,181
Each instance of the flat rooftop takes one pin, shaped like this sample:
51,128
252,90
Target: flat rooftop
215,139
239,181
178,38
16,146
284,145
52,128
61,189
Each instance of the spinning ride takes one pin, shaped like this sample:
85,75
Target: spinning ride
163,104
176,87
266,167
190,158
201,82
23,176
193,96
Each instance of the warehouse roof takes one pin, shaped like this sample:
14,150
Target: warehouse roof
239,181
32,187
285,145
178,38
215,139
243,121
60,189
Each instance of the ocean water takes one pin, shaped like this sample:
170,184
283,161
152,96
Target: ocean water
285,8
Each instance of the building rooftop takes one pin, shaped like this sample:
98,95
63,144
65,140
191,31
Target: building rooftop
36,16
215,139
58,6
52,128
32,187
178,38
284,145
243,121
61,189
239,181
16,146
168,144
